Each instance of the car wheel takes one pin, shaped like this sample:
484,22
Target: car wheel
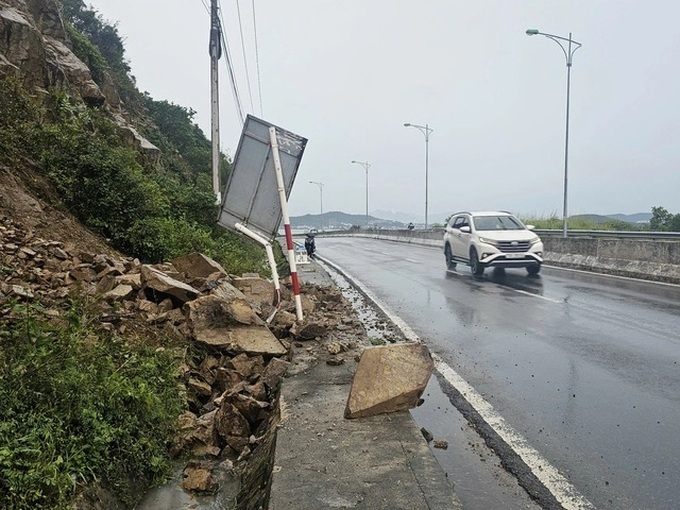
475,266
532,270
450,264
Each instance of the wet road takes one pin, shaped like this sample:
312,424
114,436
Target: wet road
584,366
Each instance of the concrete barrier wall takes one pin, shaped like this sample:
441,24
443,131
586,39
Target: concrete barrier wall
648,260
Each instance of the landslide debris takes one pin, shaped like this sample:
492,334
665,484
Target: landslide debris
230,361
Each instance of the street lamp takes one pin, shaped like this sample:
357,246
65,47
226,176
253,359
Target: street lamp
569,51
320,185
366,165
426,130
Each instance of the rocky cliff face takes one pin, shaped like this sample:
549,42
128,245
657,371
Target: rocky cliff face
36,49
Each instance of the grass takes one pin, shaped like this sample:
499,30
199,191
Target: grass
78,406
579,223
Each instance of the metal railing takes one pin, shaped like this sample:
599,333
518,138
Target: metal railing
612,234
600,234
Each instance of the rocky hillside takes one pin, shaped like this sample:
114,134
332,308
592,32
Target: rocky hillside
226,357
37,50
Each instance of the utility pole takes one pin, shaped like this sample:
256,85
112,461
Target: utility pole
215,54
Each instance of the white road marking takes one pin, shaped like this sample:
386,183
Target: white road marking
537,296
563,491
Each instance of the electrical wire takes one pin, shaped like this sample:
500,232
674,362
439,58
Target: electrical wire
257,61
205,6
245,58
230,70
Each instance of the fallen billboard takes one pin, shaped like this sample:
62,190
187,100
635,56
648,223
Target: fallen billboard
251,195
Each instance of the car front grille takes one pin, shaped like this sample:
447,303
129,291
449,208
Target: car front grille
513,246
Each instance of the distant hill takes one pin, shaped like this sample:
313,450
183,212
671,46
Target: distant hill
636,218
417,219
591,218
341,220
633,218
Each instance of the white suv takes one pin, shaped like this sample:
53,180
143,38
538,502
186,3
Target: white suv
491,239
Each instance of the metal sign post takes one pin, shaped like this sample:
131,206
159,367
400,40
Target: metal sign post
286,222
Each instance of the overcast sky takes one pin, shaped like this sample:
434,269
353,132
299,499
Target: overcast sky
347,74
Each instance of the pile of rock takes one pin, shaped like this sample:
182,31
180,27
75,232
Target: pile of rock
234,360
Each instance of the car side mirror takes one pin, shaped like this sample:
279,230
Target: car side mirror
465,229
530,227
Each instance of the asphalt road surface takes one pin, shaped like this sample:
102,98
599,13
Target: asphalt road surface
584,367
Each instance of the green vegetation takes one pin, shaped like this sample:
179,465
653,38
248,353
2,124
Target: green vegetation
146,211
79,406
584,222
663,221
153,206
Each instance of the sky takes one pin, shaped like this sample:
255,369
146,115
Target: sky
347,75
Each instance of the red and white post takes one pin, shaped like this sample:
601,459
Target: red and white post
286,222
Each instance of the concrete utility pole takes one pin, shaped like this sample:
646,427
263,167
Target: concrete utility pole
215,54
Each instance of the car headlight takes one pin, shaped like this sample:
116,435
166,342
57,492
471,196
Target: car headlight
534,240
488,241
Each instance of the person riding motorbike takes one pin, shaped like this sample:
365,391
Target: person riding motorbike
310,245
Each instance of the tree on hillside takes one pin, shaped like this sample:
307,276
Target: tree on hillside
664,221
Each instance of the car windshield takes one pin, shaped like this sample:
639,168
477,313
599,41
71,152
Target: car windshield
497,223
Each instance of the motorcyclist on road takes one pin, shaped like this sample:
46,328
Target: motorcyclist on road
310,245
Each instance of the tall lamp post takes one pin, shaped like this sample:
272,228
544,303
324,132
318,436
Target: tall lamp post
320,185
426,130
571,47
366,166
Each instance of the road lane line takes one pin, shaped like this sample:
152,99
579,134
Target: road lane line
524,292
564,492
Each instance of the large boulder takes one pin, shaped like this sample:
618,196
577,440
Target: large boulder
197,265
158,286
389,378
231,325
257,290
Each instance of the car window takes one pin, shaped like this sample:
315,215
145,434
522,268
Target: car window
459,222
497,223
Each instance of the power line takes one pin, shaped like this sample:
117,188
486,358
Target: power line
257,60
205,6
230,69
245,58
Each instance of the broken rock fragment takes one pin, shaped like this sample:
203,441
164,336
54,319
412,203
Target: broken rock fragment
197,265
198,477
308,331
158,285
389,378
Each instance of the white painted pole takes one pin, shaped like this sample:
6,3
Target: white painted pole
286,222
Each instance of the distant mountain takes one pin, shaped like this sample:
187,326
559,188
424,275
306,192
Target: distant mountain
341,220
418,219
642,217
397,216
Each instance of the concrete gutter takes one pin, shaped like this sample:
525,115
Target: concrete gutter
633,258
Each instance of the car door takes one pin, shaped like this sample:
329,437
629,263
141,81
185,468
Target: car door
460,240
